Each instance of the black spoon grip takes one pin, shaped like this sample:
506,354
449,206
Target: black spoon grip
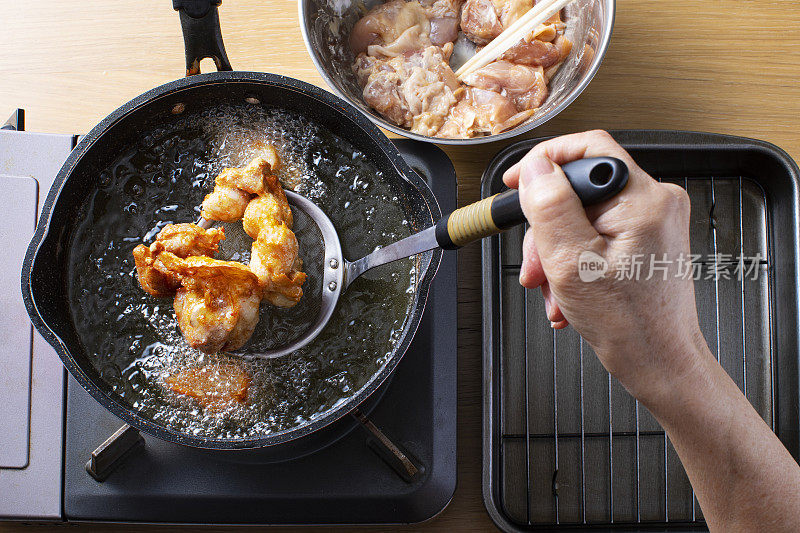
594,179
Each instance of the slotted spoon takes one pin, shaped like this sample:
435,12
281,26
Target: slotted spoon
593,179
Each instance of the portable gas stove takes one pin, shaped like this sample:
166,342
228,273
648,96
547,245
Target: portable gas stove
393,460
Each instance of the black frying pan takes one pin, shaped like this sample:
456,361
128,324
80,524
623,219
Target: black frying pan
46,265
47,273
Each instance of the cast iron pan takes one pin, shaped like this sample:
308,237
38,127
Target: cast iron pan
44,272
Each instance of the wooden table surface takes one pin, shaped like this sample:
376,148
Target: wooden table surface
727,66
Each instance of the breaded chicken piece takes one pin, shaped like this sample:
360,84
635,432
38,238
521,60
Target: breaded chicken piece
274,254
268,220
153,281
217,302
265,211
235,187
274,259
225,203
252,178
182,240
213,386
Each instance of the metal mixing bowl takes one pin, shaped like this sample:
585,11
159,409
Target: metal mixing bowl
326,26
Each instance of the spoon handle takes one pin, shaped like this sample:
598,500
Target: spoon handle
594,179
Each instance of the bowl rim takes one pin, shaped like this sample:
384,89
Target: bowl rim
608,19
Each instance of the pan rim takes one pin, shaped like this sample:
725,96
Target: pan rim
113,403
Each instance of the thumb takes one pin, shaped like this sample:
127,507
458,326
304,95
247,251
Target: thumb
557,217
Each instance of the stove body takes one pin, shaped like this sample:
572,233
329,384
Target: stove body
49,426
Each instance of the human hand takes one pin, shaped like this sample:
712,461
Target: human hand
644,331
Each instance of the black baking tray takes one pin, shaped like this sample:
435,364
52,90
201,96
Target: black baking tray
564,446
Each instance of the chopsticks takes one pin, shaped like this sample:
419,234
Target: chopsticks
512,35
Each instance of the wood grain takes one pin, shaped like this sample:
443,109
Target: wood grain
727,66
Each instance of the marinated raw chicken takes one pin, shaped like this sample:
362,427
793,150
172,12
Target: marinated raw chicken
213,386
482,111
415,89
510,11
410,41
444,18
387,22
217,302
403,50
483,20
480,21
539,53
182,240
499,96
524,85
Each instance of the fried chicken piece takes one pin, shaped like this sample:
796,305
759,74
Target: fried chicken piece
213,386
234,187
251,178
182,240
217,302
224,203
274,259
269,208
153,281
268,220
266,210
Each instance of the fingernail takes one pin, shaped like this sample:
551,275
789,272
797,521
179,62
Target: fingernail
534,166
547,308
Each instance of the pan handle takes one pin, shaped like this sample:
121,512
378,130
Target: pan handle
202,35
